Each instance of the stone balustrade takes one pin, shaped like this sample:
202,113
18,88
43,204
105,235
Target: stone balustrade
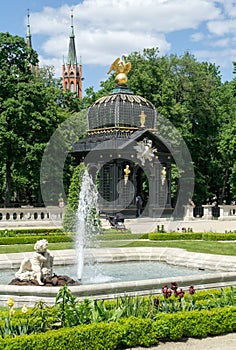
227,212
31,217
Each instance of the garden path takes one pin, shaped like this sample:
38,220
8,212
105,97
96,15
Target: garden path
227,341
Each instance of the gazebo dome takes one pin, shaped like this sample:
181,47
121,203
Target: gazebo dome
120,110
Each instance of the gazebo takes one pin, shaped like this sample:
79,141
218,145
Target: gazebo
124,153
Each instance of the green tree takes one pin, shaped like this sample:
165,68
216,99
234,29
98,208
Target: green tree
184,91
29,113
227,142
69,220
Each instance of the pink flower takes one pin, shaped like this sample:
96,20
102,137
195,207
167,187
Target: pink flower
191,290
156,302
174,286
180,293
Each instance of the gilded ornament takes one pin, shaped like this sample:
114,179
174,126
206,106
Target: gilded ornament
121,69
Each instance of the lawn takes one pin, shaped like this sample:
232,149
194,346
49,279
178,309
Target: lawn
208,247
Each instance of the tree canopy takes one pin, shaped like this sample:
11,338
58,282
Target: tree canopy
29,114
191,95
188,93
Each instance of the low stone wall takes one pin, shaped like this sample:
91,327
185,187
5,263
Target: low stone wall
227,212
31,217
223,273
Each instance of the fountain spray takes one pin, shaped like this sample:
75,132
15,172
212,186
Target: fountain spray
88,224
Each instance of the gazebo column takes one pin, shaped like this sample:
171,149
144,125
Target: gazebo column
168,187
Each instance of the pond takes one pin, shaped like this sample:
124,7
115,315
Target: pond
126,271
116,272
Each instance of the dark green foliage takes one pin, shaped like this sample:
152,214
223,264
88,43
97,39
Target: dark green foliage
34,238
69,220
200,110
130,332
119,236
211,236
25,231
29,114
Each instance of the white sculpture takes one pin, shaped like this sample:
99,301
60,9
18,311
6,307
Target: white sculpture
145,151
37,267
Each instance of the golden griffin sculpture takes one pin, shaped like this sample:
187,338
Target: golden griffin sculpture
121,68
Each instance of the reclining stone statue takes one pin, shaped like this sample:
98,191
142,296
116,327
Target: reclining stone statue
39,266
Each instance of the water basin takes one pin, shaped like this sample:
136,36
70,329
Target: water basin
116,272
126,271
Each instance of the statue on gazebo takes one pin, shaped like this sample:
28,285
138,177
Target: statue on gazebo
121,68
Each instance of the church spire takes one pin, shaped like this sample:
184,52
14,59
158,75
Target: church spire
72,59
28,35
33,68
71,70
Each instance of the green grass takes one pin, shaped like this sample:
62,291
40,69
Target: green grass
209,247
19,248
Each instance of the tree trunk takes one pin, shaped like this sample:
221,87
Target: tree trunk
226,178
7,200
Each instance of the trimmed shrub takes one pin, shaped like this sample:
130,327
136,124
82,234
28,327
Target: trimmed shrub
174,236
137,331
69,220
130,331
35,231
34,239
210,236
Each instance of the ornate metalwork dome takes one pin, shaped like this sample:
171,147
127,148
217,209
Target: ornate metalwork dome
121,110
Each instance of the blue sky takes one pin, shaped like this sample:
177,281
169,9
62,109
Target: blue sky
107,29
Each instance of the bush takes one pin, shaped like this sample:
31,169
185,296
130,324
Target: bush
210,236
196,324
130,331
158,236
33,232
174,236
69,219
118,235
34,239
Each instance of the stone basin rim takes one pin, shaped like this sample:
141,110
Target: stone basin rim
220,276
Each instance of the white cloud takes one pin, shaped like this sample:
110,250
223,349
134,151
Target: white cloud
222,27
225,42
222,58
107,28
229,7
197,36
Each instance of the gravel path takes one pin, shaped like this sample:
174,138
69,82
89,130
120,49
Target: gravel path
227,342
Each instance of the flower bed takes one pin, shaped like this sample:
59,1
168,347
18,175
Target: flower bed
123,322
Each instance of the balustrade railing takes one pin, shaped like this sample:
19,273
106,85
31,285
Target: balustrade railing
31,216
222,212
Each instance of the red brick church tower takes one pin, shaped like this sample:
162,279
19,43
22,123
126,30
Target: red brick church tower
71,70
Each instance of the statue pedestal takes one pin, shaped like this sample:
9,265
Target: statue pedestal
188,213
207,212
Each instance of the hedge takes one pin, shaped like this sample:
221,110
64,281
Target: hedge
157,236
34,239
57,238
174,236
130,332
31,231
121,235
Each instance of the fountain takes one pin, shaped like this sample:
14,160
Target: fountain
87,224
221,273
38,269
88,228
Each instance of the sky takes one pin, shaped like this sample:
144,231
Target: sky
107,29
